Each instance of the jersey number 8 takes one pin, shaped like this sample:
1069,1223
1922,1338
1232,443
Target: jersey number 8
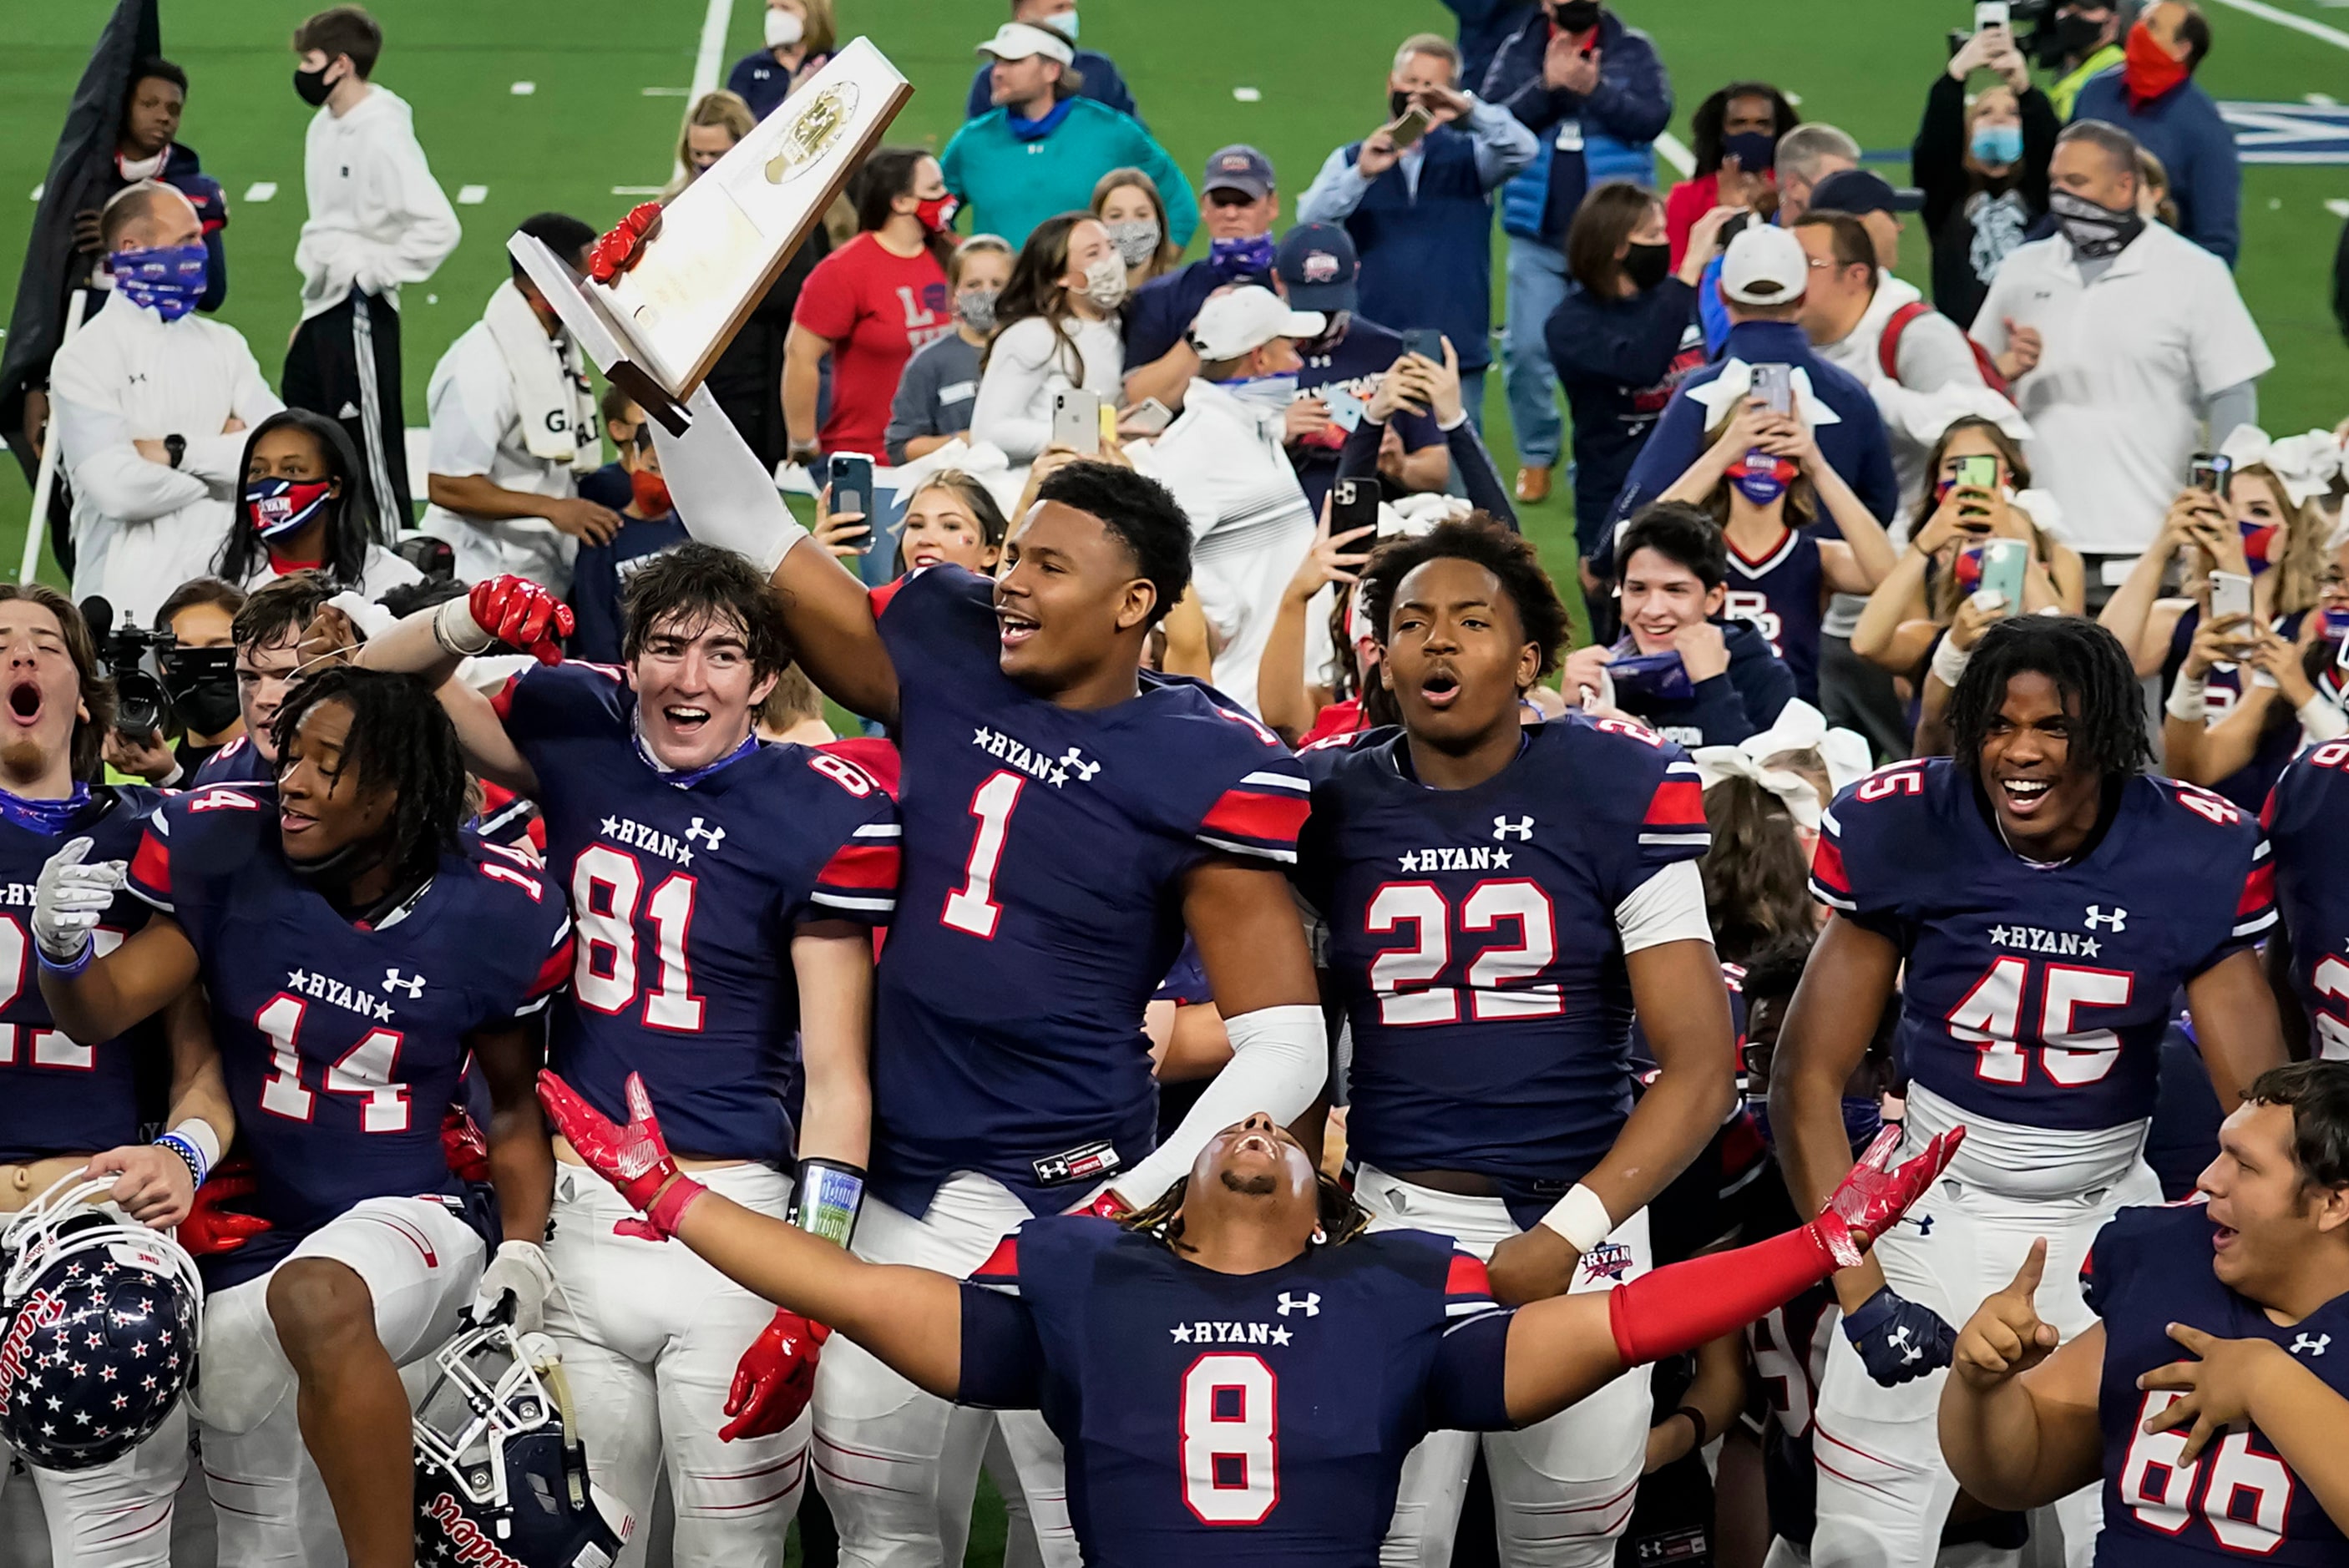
1231,1438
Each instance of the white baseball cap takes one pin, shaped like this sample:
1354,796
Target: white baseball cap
1231,325
1764,265
1018,40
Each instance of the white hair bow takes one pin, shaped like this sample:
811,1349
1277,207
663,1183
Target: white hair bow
1797,793
1799,727
1721,396
2306,464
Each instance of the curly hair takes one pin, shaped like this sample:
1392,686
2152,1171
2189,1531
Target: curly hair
1509,557
1139,512
2088,666
1341,1218
402,740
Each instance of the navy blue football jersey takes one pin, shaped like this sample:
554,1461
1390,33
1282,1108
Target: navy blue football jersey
1044,851
1232,1419
2038,995
684,899
58,1096
1783,595
2150,1268
342,1044
238,762
1472,934
2304,821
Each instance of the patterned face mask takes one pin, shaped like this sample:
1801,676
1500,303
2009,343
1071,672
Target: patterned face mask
283,507
168,280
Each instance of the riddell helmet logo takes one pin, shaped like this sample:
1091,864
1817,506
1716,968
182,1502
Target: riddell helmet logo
38,1312
473,1548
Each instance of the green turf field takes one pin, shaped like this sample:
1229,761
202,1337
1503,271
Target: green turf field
610,82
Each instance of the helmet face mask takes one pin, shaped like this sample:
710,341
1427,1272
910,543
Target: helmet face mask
102,1317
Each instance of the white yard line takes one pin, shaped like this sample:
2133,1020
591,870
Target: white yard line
713,48
2283,18
1674,151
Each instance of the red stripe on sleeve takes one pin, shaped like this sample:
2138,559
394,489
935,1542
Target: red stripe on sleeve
555,973
870,867
875,755
151,866
1249,814
1002,1264
501,702
2267,807
1677,803
879,597
1826,866
2258,888
1467,1277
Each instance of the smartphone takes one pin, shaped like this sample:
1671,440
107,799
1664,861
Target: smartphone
2002,563
2231,594
2210,471
1353,504
851,488
1076,420
1409,125
1733,227
1774,384
1978,473
1151,418
1993,14
1424,341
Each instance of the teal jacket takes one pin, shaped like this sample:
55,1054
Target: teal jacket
1010,186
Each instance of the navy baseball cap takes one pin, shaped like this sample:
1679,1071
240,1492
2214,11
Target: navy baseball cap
1238,166
1858,192
1317,267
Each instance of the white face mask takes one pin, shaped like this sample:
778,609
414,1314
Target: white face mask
1063,23
1105,282
784,28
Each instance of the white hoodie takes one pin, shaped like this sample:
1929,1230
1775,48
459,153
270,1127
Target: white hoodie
377,218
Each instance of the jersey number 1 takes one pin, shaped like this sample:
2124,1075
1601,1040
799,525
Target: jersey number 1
972,907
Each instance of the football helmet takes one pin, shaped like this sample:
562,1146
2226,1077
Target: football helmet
501,1472
102,1314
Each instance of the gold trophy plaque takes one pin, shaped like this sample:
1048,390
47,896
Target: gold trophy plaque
656,329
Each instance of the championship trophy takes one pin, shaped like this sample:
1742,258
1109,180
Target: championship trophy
656,329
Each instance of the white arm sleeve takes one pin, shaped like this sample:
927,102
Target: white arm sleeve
722,496
1668,907
1280,1060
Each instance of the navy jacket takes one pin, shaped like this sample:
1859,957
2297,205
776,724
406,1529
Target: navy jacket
1629,107
1483,25
1855,448
1100,82
1427,260
1620,361
1159,314
2181,127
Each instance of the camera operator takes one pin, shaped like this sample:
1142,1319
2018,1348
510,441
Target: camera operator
2082,39
195,701
1981,161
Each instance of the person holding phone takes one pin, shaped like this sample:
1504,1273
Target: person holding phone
1981,161
1056,326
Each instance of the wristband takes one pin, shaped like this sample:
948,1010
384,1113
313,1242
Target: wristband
454,628
1696,1420
2186,704
198,1166
825,1200
2321,720
1581,1218
668,1210
67,968
1949,662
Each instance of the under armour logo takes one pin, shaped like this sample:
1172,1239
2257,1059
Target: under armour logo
1310,1306
393,980
2311,1344
1085,771
1522,827
2117,921
1910,1351
712,836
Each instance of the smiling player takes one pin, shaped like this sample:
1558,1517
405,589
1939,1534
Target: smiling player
2048,900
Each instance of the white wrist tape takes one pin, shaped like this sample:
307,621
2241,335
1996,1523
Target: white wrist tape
2321,721
198,1131
1949,661
1581,1218
2186,704
722,496
454,628
1281,1058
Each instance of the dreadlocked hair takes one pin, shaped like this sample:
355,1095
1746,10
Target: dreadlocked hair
1509,557
1341,1218
2087,665
402,740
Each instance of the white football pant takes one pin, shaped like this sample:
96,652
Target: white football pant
118,1515
897,1466
1562,1489
420,1264
650,1336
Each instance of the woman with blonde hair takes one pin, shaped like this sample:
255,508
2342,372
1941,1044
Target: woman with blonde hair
1130,210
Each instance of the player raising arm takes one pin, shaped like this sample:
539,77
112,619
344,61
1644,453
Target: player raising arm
2233,1450
1499,899
2308,957
1238,1369
354,950
2048,900
726,891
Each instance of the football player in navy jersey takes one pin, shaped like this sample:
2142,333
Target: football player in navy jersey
1067,817
725,892
355,951
1239,1367
2212,1393
2047,900
1499,897
2310,956
268,634
70,1102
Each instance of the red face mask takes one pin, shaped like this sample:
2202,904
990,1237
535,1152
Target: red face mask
2148,70
937,213
651,492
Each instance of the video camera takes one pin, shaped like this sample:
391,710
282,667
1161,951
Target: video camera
143,705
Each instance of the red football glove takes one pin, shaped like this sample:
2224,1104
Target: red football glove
463,1146
1876,1193
212,1227
1107,1205
522,614
775,1377
632,1157
623,247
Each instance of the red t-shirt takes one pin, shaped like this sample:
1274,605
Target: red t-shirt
876,309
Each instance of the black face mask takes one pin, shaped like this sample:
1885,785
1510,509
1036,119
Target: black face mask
2071,35
1646,266
1397,101
312,85
205,702
1575,16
